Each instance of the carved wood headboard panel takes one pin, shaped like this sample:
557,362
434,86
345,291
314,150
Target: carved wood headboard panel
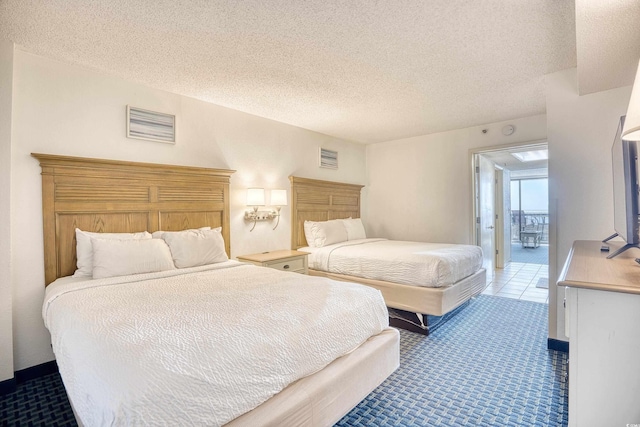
315,200
124,197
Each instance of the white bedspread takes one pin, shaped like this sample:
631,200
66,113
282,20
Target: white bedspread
410,263
200,348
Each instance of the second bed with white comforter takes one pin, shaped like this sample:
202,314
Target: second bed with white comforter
409,263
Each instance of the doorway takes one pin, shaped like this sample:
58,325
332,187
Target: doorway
514,231
530,218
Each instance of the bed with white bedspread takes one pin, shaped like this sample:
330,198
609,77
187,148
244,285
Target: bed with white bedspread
202,346
410,263
422,283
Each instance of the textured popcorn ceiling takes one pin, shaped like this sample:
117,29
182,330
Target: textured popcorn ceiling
366,71
608,42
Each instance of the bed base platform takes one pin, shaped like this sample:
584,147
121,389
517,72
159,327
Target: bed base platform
427,307
421,323
420,299
323,398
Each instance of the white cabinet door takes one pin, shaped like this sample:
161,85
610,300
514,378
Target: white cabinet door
604,358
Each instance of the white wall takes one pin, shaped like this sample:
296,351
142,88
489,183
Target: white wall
69,110
580,132
6,323
420,188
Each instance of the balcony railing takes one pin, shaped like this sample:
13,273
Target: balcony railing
529,221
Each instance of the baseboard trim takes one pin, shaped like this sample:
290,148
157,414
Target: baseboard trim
554,344
36,371
8,386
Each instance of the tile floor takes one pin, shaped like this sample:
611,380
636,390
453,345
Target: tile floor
518,281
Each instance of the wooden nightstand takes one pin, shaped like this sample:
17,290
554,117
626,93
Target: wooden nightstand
294,261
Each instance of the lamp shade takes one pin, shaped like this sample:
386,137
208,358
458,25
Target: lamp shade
279,197
255,197
631,130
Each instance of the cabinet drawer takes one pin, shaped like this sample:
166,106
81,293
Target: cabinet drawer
289,265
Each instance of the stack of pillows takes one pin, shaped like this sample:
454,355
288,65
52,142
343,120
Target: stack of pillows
326,233
102,255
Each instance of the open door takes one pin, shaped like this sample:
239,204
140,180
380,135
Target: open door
503,217
506,200
485,222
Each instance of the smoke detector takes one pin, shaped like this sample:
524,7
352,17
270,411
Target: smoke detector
508,130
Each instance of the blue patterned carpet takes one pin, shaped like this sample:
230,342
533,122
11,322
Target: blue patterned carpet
487,366
38,402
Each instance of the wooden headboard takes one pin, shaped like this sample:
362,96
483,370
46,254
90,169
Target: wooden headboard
315,200
124,197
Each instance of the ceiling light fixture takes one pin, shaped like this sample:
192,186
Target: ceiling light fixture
531,156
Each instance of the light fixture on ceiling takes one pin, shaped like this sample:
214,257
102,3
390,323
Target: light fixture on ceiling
631,130
531,156
255,199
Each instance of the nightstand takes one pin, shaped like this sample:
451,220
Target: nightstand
294,261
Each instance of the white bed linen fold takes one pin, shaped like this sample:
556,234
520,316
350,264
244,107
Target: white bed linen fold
199,348
410,263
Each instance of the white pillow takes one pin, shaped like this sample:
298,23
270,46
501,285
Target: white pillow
192,248
84,250
355,229
325,233
158,234
124,257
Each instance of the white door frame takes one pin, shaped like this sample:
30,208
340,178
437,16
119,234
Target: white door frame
533,145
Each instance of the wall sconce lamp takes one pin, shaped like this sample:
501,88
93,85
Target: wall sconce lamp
278,199
255,199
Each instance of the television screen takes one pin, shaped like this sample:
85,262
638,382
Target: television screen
624,156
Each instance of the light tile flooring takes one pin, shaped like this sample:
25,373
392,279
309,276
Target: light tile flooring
518,281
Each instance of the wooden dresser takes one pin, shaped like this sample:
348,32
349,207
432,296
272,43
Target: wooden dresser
602,318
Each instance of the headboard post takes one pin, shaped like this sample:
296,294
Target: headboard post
48,220
124,197
316,200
